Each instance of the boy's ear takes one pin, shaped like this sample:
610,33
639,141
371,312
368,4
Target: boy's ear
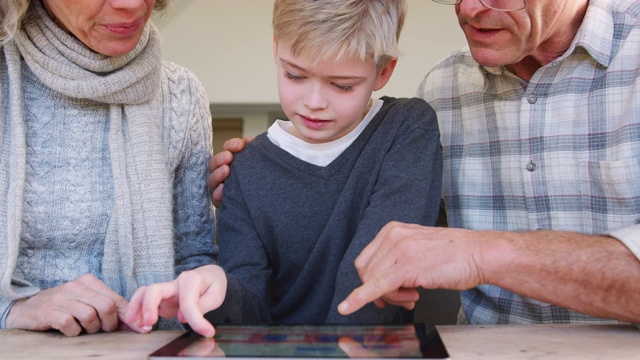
275,48
385,74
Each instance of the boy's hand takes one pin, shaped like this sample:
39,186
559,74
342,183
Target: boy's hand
219,167
188,298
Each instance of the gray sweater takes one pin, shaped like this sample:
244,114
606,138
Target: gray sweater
69,189
289,231
104,174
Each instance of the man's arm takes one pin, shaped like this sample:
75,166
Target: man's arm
595,275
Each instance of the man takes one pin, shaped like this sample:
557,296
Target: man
540,127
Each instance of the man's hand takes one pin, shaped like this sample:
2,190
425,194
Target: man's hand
84,304
592,274
403,257
219,167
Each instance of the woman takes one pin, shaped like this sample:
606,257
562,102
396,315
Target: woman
102,166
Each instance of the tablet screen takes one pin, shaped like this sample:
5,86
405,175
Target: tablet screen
412,341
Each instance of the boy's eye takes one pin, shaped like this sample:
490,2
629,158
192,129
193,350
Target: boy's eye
345,88
294,77
291,76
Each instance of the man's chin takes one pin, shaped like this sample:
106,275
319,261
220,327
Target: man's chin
489,57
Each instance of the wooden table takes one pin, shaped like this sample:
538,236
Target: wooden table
463,342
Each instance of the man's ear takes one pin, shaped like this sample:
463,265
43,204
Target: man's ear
385,74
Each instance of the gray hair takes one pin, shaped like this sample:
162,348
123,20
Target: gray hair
11,12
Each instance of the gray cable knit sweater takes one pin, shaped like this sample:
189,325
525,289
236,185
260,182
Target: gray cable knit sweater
103,174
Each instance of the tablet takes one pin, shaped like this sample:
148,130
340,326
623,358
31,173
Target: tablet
411,341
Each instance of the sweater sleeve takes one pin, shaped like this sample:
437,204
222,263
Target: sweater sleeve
5,307
408,189
242,256
190,139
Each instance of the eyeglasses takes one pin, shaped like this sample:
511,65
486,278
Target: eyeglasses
500,5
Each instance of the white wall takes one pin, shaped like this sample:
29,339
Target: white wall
228,44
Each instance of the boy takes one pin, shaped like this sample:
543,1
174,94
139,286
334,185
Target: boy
305,198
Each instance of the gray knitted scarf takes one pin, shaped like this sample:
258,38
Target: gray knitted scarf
141,222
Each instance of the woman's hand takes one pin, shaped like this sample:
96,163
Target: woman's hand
84,304
188,298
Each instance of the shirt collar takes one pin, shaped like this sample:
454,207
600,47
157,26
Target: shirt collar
595,35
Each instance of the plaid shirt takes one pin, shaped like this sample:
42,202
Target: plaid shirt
561,152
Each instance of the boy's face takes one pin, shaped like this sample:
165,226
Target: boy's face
325,100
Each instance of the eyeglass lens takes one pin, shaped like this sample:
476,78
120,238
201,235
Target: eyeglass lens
503,5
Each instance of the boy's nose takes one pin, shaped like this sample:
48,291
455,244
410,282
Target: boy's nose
314,97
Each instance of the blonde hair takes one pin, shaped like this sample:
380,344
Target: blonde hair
13,11
329,29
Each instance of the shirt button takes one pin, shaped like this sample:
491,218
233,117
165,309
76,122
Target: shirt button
532,99
531,165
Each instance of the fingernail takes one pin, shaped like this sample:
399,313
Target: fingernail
147,328
343,307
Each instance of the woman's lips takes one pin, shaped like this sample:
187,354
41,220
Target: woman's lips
124,29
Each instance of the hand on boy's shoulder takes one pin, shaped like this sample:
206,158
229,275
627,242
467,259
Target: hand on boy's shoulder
219,167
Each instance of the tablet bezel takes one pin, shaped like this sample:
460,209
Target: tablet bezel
431,345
